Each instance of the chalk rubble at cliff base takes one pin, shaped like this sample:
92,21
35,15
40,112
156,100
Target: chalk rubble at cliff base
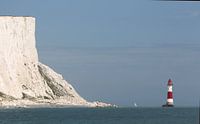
24,81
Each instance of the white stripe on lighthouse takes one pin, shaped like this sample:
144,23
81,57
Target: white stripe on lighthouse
169,88
170,101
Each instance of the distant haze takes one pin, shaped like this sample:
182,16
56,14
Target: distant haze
118,51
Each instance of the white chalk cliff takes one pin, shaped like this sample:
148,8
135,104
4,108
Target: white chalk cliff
23,79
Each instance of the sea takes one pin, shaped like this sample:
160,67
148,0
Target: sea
99,116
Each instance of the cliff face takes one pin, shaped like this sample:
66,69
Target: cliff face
22,77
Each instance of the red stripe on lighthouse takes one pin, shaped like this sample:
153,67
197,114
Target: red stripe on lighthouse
169,95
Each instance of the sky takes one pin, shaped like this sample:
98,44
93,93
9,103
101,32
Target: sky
117,51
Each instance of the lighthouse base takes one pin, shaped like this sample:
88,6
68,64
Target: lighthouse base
167,105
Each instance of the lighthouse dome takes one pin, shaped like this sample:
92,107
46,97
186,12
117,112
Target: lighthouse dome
170,82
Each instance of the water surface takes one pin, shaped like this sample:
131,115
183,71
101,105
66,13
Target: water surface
99,116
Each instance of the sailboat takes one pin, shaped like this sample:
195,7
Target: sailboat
135,104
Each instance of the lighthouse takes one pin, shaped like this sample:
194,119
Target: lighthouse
170,101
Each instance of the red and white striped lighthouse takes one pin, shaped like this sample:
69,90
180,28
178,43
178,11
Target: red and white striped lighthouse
170,101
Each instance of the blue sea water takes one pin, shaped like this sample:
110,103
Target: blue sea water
99,116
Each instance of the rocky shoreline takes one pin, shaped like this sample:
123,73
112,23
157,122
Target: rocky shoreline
50,104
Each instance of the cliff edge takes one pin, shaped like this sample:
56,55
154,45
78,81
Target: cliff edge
23,79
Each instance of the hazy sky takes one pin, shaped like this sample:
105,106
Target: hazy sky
119,51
